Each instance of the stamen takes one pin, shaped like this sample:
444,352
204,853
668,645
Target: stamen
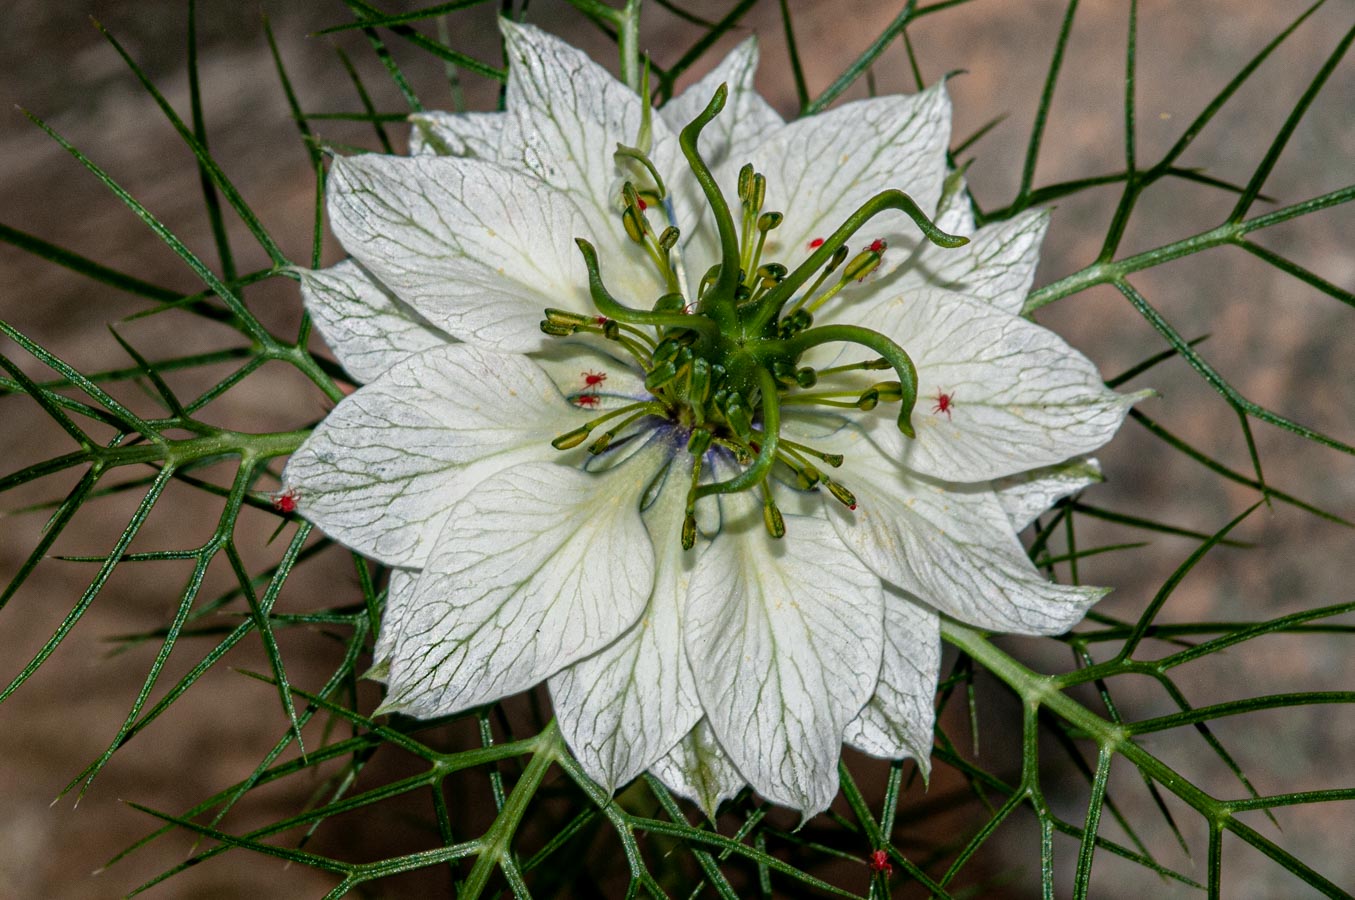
854,367
841,494
604,440
833,262
624,152
833,459
576,436
771,515
697,445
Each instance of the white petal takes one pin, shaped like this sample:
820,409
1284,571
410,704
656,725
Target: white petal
696,768
1029,494
537,568
477,249
997,265
784,639
478,134
820,169
627,705
952,546
368,329
1018,397
399,592
571,114
897,722
380,474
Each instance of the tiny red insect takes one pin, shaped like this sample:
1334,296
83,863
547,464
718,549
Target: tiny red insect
878,246
600,320
285,502
593,379
816,243
589,400
944,402
879,862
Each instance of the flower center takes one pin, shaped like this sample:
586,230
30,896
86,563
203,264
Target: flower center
721,364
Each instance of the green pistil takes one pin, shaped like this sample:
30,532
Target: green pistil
721,368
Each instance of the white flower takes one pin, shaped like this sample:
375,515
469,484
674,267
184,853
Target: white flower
705,601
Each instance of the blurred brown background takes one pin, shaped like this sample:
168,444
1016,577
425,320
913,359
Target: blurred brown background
1281,344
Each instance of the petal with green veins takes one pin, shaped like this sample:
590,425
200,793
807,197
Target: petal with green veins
399,592
521,583
822,168
897,721
368,328
997,265
1018,396
570,114
784,638
477,249
1029,494
698,769
482,135
625,706
951,546
381,473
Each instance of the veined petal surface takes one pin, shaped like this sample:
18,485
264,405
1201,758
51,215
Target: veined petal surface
625,706
477,249
382,472
951,546
368,328
699,769
1017,396
821,169
512,591
477,134
897,723
785,641
1029,494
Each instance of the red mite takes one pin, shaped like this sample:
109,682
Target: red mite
944,402
878,246
816,243
590,400
285,502
592,379
879,862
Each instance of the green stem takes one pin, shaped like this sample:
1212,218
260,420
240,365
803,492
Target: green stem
1036,690
628,43
1227,233
496,845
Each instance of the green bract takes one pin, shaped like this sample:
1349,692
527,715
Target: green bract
673,498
